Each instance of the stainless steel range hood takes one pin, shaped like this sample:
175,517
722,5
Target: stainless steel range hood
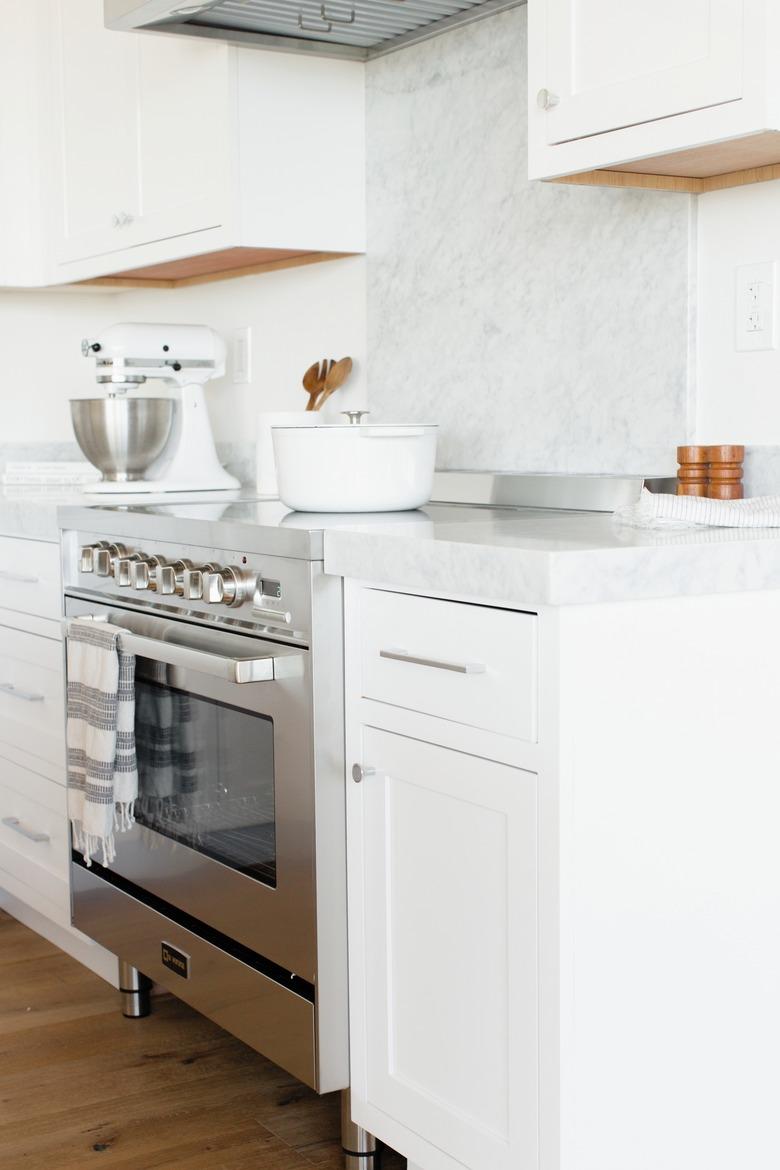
357,29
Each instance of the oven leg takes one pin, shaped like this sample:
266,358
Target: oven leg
134,989
359,1145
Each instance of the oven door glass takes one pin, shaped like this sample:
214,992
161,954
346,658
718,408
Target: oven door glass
205,774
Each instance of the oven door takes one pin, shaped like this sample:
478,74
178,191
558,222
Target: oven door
224,828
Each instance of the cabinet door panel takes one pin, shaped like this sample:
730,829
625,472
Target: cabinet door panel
98,83
183,116
443,942
614,65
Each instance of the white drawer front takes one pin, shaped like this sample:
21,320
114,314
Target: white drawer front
34,845
32,695
468,663
30,577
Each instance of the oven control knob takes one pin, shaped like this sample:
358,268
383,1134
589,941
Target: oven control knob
229,586
193,580
104,558
166,580
87,556
179,569
123,569
144,573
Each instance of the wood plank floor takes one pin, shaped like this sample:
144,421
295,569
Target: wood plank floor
82,1087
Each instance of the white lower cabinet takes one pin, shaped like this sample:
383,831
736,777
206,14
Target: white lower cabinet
442,831
34,827
443,928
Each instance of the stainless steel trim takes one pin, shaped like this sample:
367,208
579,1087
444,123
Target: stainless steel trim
436,663
583,493
378,30
26,696
272,615
253,1007
16,826
265,668
19,578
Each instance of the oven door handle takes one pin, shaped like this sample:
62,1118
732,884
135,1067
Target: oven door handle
235,670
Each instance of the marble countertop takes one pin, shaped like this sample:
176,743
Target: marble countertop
520,557
529,557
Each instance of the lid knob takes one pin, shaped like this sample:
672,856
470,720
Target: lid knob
355,417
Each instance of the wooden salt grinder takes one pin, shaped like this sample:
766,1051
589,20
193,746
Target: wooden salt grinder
725,473
693,474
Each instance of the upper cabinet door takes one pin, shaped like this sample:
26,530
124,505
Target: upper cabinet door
611,65
144,134
96,76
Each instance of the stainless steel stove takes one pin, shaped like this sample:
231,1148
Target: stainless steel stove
230,888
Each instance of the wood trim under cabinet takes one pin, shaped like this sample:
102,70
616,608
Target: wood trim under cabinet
225,264
755,158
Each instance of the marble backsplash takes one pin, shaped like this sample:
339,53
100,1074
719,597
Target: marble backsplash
544,327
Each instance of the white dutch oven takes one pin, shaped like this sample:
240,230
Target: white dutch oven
355,468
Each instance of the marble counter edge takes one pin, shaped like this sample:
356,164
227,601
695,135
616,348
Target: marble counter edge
524,577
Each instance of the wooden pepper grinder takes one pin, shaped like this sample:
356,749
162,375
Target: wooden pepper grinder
694,473
725,473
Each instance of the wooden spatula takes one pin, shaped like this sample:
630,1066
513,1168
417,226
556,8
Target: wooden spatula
314,380
336,377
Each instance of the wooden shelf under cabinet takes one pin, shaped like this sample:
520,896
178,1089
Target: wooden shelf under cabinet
754,158
220,265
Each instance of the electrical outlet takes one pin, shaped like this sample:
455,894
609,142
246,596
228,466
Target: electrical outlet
242,356
755,307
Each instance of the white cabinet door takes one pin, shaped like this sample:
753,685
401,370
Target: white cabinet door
144,134
97,82
620,64
443,954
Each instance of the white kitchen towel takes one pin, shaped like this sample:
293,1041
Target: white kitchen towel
656,510
102,770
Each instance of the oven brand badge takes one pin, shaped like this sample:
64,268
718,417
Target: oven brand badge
175,960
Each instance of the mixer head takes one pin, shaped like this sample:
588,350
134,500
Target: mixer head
127,354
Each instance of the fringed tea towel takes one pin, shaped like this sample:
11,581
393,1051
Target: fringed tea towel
666,511
102,770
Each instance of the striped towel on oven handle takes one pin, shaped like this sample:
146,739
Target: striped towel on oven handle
102,769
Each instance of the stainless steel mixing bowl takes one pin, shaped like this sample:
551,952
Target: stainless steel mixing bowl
122,437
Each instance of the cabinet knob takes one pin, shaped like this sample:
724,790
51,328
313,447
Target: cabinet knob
546,99
359,773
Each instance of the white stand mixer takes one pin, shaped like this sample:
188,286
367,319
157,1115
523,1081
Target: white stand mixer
185,356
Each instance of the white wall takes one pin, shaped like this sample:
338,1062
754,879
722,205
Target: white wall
297,316
738,393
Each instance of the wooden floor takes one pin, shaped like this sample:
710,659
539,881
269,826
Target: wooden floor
82,1087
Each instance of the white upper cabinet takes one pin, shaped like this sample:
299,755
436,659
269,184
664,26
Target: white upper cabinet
683,89
614,65
24,82
152,158
142,142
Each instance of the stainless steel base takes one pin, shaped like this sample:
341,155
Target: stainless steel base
359,1145
134,988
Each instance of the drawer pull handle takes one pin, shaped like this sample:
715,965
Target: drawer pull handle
435,663
16,693
18,578
31,834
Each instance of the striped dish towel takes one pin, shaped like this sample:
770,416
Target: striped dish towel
102,770
664,511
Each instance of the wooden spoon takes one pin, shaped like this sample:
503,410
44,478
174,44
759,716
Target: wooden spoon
314,380
336,377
